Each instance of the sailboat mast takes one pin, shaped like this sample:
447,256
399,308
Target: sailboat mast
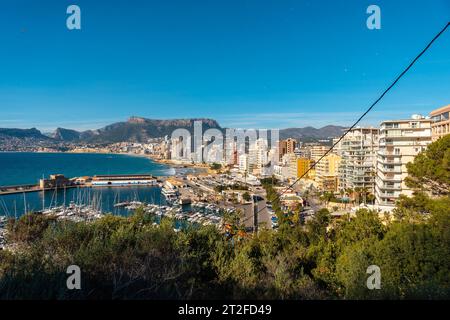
24,204
43,193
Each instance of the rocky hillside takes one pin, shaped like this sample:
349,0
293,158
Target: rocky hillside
141,129
33,133
308,134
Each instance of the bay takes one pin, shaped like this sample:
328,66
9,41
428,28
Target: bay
27,168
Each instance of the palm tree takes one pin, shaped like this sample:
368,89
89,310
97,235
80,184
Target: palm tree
370,198
358,192
364,191
342,193
327,197
349,192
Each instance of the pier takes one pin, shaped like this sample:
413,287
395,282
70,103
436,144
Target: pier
58,181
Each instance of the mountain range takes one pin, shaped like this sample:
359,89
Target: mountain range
138,129
311,134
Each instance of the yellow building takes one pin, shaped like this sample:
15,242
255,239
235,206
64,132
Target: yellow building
312,174
303,165
327,173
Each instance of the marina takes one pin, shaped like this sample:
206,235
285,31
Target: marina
79,199
105,199
194,214
87,204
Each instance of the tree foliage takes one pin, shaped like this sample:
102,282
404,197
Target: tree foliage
430,170
131,258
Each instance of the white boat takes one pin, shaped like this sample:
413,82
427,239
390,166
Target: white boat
3,221
170,192
121,204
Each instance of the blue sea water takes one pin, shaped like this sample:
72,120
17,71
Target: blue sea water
28,168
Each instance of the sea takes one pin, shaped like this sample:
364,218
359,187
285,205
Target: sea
17,168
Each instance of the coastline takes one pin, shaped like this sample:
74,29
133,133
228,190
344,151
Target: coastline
178,164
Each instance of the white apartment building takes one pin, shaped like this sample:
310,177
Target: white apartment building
358,151
318,151
258,153
291,163
243,163
400,141
281,172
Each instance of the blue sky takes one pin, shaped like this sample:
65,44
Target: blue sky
254,64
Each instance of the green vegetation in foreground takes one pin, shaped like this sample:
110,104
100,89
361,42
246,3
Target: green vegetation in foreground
130,258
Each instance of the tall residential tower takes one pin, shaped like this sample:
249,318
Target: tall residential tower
400,141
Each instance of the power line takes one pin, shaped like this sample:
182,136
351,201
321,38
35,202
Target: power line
364,114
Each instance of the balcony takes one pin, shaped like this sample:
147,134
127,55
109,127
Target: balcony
389,161
386,202
386,187
389,126
389,153
389,194
384,169
389,176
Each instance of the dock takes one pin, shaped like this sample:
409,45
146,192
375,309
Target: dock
58,181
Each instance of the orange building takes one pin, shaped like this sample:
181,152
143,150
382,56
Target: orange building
303,166
286,146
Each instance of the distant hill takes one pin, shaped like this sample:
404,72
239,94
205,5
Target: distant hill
308,134
66,135
32,133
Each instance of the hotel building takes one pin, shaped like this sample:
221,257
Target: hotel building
400,141
440,125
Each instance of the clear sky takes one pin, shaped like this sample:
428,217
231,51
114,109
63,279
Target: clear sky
258,63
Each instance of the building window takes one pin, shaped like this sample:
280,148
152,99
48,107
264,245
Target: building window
436,118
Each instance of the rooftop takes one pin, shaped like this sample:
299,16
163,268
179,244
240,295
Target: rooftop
440,110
